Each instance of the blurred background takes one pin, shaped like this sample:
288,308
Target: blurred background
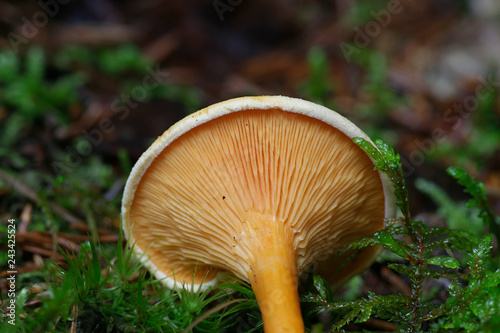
86,86
415,73
422,75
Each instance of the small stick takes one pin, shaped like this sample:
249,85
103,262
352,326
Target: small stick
209,313
23,189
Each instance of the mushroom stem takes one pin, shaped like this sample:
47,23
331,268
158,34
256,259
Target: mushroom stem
278,297
274,279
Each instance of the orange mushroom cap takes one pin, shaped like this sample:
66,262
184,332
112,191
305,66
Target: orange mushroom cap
262,187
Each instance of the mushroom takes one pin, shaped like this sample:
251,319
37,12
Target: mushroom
262,187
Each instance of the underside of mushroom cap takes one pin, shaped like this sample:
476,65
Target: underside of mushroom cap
205,197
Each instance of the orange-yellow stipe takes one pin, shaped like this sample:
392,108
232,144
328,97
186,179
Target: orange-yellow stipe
274,276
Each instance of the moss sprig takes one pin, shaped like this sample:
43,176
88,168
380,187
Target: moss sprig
460,259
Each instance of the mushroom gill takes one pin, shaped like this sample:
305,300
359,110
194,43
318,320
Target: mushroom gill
262,192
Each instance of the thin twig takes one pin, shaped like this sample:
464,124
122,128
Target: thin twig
24,190
74,314
209,313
